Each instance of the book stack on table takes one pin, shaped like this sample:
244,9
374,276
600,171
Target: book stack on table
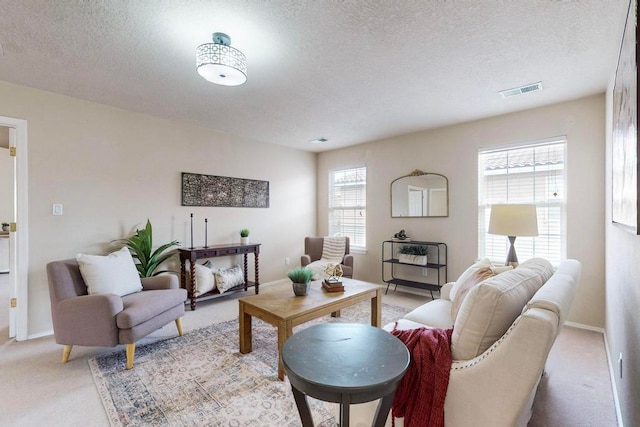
332,285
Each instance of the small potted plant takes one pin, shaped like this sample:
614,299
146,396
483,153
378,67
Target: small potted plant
244,236
5,226
301,278
413,254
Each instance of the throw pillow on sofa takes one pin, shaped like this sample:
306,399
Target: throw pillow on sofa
490,308
473,275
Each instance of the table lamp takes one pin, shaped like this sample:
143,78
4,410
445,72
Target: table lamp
513,220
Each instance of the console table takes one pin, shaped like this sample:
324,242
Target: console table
193,254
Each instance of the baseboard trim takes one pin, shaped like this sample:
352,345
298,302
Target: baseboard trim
275,282
583,326
614,388
40,335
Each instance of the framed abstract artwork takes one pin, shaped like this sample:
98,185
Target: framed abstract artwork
223,191
625,130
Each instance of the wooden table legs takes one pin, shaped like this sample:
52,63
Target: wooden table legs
244,321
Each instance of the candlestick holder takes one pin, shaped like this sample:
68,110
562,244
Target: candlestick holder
205,233
191,247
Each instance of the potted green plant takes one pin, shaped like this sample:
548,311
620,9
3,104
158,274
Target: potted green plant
244,236
413,254
141,247
301,278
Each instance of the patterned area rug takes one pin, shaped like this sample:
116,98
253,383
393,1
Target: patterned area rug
202,379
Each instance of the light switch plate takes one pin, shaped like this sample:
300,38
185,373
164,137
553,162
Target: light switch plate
57,209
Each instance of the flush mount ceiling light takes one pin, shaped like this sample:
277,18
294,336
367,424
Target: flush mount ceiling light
220,63
532,87
318,140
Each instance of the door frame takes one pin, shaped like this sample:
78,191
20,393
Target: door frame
19,265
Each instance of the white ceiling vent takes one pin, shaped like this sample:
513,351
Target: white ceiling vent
533,87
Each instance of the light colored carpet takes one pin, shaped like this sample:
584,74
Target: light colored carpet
202,379
37,390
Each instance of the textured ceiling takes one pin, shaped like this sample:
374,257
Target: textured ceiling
347,70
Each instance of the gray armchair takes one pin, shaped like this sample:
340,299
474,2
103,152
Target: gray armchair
313,252
106,320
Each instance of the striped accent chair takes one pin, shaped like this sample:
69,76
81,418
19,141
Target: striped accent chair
316,249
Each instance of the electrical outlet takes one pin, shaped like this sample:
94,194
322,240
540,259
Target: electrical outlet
620,364
286,261
425,271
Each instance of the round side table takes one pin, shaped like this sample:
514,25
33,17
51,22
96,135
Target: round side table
344,363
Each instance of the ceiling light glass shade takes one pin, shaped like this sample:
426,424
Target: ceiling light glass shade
220,63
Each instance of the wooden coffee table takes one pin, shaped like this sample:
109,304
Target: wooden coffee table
278,306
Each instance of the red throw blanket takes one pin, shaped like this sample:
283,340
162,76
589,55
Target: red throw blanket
422,390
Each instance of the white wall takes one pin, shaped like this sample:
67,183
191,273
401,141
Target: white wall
623,299
452,151
112,169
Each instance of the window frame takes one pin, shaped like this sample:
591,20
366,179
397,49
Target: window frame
484,205
356,246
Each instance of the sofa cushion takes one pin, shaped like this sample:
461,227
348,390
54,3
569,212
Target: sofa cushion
435,314
115,273
143,306
540,266
490,308
473,275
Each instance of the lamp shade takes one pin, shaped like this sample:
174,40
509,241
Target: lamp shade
513,220
220,63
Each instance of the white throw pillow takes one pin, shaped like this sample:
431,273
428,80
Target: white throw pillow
115,273
479,271
204,278
227,279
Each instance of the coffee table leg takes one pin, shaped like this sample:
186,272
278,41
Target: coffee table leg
285,330
376,309
244,320
382,411
303,407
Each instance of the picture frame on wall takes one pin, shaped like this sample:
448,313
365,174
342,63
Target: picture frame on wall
223,191
625,153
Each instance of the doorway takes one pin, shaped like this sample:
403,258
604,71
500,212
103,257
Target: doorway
16,150
7,175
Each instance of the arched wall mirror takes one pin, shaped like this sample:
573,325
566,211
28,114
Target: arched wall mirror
420,194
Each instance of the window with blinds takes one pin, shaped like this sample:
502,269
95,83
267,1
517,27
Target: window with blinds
348,205
532,173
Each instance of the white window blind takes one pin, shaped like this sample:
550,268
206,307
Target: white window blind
348,205
532,173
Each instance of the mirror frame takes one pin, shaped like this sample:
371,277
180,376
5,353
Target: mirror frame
418,172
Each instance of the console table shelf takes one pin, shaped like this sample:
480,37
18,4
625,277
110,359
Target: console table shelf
437,251
193,254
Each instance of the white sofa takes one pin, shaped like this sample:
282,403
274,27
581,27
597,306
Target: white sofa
502,334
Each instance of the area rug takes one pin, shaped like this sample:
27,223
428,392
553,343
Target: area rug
201,379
